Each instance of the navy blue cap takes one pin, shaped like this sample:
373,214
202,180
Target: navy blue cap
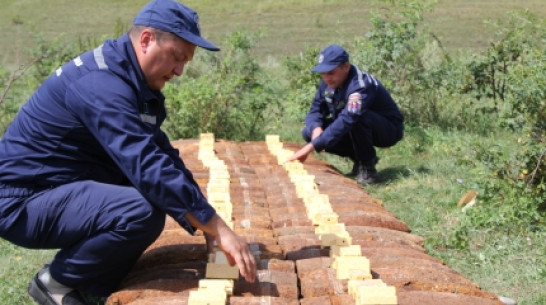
172,16
329,58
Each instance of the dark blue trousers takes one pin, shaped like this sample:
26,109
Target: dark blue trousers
101,230
372,130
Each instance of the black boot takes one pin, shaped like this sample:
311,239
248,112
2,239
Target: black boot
46,291
367,174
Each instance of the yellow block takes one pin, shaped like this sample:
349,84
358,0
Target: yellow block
218,257
323,217
330,239
343,265
312,210
352,285
219,183
302,177
206,135
317,200
205,155
206,145
218,170
218,175
306,188
295,171
274,148
358,274
376,295
207,297
221,271
217,188
224,207
283,155
349,250
217,284
272,139
294,167
330,228
218,198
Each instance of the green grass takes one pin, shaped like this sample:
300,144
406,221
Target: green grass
288,26
18,266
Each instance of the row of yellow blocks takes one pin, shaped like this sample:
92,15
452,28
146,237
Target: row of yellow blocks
218,285
218,185
348,260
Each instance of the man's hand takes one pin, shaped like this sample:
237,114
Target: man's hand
237,252
302,154
235,248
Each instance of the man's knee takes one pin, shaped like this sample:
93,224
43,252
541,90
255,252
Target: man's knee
306,133
147,220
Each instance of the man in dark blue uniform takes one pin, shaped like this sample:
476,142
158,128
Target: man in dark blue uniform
351,113
85,167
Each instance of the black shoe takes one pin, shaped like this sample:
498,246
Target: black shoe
367,174
43,296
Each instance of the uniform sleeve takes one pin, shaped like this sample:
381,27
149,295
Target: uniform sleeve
357,103
107,108
164,143
317,112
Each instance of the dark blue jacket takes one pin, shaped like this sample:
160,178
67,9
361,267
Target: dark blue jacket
346,106
96,119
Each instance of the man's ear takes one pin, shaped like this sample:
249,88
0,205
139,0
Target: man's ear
146,38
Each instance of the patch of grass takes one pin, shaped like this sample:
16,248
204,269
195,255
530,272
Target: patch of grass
511,265
19,265
288,26
462,24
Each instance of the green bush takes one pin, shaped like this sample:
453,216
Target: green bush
228,97
302,84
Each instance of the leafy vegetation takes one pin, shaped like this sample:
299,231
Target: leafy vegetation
227,95
475,120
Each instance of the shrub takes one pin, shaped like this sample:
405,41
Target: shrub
228,97
302,83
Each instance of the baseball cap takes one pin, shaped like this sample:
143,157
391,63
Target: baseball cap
329,58
172,16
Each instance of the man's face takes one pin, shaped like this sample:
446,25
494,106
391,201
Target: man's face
336,77
164,59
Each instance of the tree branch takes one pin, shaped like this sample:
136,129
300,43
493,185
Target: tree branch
534,172
17,74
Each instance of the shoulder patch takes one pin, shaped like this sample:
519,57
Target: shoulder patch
354,103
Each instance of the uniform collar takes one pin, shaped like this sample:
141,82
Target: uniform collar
137,76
